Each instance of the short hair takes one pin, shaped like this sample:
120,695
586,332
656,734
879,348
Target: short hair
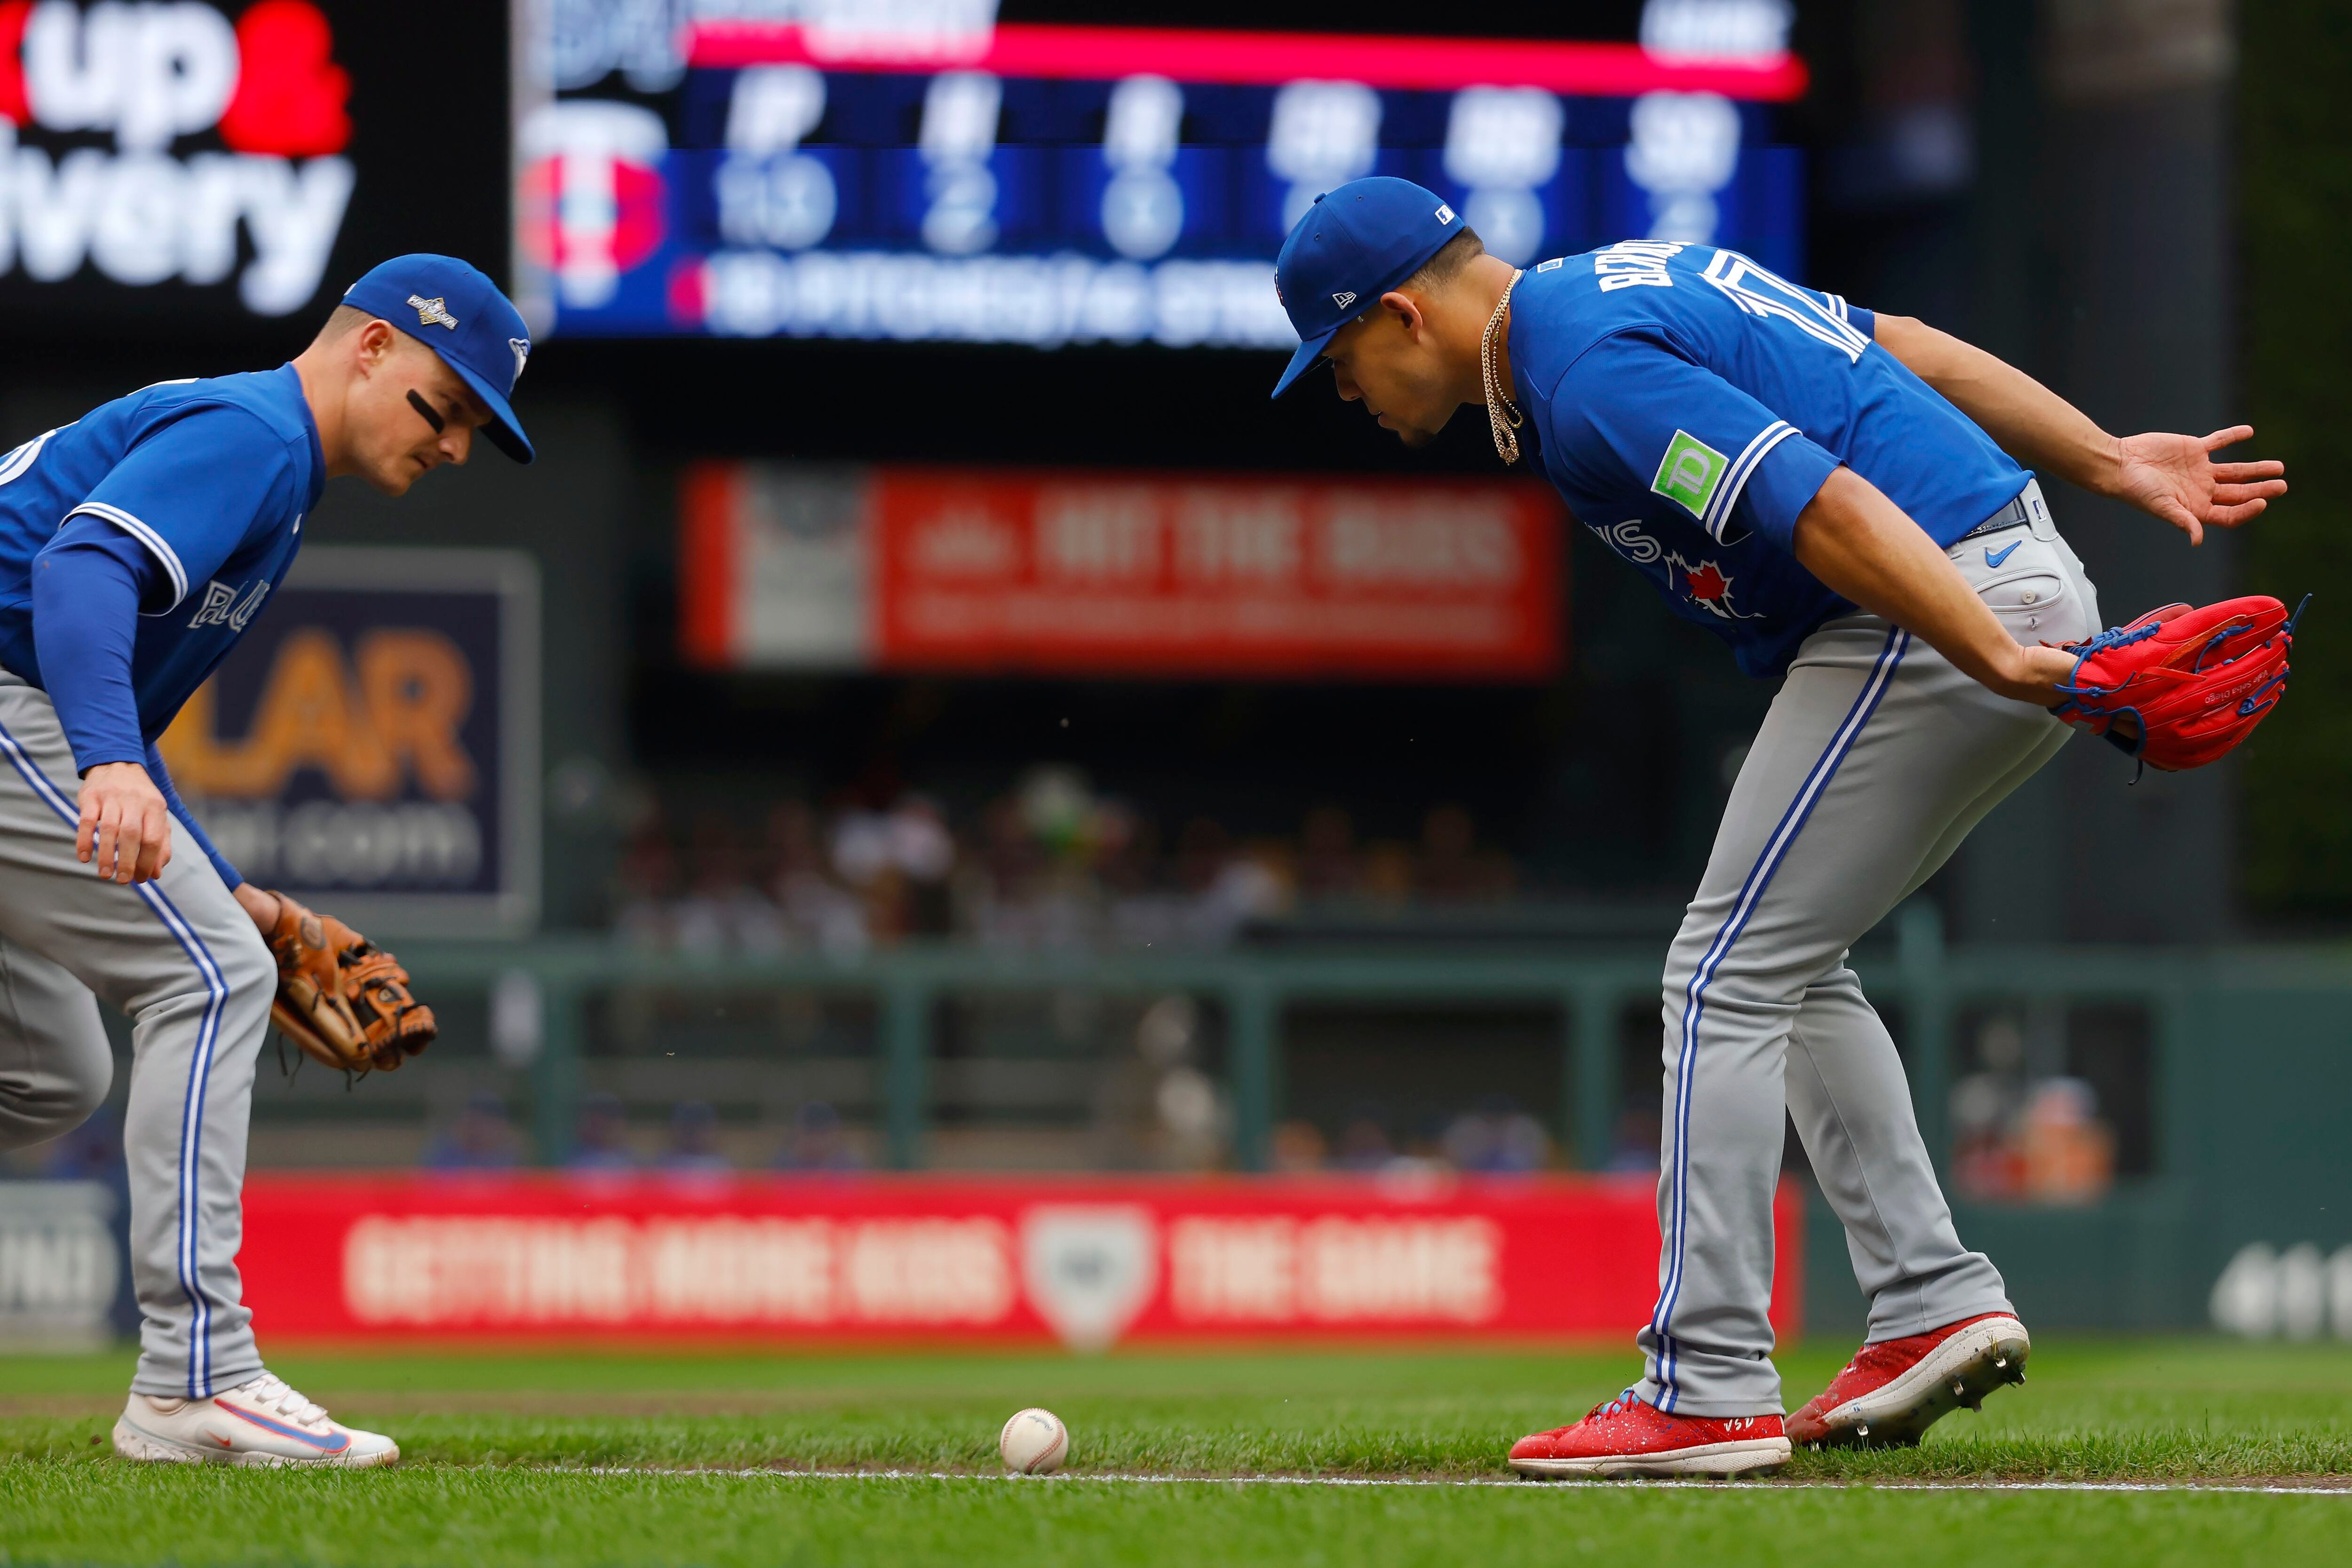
342,321
1447,264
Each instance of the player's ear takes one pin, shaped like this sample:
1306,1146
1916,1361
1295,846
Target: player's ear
1406,310
376,343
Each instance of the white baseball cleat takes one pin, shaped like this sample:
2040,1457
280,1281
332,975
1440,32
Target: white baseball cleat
258,1422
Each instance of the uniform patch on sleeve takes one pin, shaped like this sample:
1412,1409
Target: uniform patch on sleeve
1689,472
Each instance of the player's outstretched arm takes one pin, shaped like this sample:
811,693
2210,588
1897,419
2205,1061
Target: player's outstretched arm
2169,477
1865,547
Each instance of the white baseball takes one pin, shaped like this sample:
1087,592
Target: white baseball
1035,1443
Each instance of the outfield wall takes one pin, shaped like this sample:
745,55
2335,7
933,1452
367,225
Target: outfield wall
1088,1260
2247,1067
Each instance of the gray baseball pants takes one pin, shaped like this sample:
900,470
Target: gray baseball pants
1875,760
184,962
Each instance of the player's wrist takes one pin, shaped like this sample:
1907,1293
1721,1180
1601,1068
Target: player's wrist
2033,674
2105,467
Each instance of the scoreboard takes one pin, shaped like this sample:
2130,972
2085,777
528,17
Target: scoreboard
1057,184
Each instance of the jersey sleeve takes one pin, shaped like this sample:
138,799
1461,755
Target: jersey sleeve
1633,415
192,490
1863,321
162,775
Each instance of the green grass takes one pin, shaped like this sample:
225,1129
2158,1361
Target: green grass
484,1434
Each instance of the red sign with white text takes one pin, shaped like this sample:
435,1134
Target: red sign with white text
1088,1260
1076,573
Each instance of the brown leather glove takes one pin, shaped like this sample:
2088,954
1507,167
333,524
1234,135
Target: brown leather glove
341,997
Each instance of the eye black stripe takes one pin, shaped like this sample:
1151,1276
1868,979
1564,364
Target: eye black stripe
426,409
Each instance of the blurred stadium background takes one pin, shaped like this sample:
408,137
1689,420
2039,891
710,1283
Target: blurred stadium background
928,711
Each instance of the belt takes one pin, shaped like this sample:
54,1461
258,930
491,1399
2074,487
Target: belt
2023,512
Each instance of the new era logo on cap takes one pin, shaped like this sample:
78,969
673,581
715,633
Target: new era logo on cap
1344,299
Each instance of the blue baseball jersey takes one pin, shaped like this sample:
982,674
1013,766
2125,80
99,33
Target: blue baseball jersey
1688,405
213,478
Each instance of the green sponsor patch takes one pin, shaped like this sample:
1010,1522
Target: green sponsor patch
1689,473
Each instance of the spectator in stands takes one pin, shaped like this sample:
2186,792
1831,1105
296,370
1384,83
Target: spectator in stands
601,1142
1497,1138
1328,866
818,911
1364,1144
693,1147
482,1139
723,912
1453,869
1634,1148
899,862
818,1142
1298,1147
647,885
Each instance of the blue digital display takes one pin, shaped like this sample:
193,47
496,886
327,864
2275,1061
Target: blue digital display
788,200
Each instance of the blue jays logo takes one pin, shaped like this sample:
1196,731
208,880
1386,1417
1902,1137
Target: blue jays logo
1706,585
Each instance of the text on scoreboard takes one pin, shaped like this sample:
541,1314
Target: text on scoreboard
1046,184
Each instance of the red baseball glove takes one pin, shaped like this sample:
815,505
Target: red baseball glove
2179,687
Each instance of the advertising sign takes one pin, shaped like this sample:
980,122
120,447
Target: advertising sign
1087,1261
917,169
1078,573
372,746
60,1263
211,166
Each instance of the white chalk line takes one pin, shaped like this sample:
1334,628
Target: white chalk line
2327,1487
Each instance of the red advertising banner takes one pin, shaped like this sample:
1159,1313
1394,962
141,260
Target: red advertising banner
1087,1261
1077,573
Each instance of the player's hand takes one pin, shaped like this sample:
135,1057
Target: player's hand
2175,477
126,829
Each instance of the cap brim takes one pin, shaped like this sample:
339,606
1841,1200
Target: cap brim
504,431
1304,360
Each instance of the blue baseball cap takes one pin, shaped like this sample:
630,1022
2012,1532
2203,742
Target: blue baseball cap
453,309
1354,245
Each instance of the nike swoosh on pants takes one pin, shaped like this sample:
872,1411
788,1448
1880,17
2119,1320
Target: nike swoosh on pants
2007,550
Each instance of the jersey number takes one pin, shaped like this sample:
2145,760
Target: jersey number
1761,292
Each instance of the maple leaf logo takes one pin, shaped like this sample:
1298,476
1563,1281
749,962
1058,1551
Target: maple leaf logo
1706,585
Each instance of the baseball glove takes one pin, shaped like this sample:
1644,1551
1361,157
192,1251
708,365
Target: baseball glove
341,997
2179,687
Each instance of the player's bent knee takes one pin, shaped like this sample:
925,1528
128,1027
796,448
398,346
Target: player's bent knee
34,1109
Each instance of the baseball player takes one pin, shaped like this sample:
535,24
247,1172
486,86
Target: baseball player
1839,495
135,546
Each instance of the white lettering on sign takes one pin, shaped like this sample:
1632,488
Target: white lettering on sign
1253,535
965,541
527,1270
147,72
1098,533
150,74
1041,300
59,1263
1335,1269
1369,539
418,844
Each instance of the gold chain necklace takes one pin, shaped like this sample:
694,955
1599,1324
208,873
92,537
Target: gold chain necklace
1502,415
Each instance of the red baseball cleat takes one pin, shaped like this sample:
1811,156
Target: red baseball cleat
1624,1437
1892,1392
